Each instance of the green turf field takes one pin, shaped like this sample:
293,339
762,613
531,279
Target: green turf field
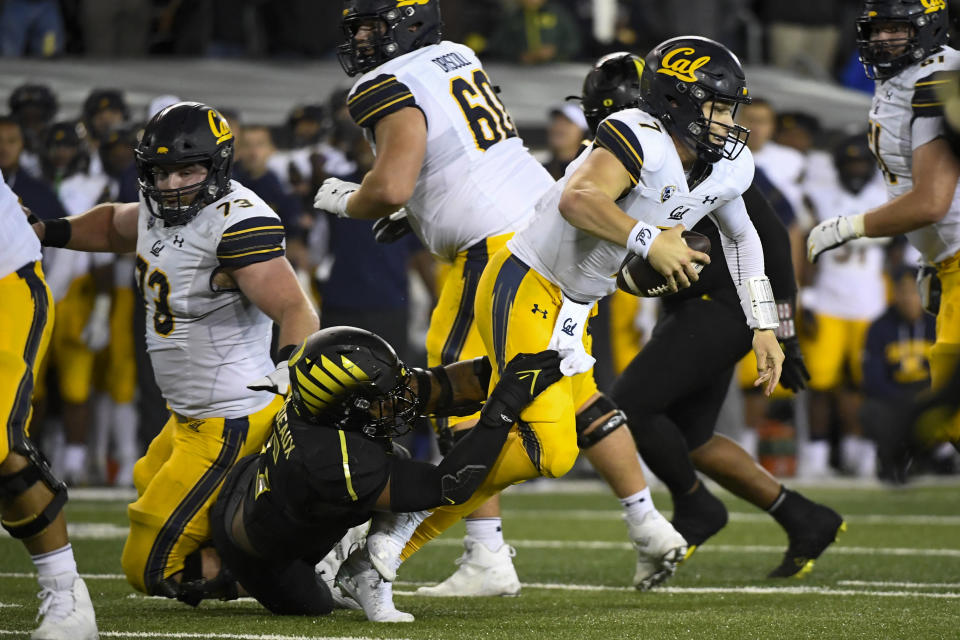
894,574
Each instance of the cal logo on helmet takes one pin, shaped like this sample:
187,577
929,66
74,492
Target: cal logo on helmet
681,67
219,126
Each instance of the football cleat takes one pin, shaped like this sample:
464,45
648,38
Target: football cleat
66,610
359,580
697,517
659,549
807,543
327,568
481,572
389,534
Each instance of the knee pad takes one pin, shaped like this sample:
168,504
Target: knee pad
591,414
12,486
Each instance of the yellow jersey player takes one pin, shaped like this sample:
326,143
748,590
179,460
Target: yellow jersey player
903,46
210,267
31,498
447,149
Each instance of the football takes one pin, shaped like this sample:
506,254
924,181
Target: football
637,277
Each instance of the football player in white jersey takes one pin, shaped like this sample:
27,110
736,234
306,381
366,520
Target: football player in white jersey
903,45
447,149
31,498
847,294
210,267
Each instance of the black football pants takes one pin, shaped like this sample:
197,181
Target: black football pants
673,389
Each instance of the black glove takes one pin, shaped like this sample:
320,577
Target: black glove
392,227
522,380
794,376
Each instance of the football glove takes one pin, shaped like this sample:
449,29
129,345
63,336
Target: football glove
277,381
333,194
833,233
392,227
96,334
522,380
795,375
567,337
930,289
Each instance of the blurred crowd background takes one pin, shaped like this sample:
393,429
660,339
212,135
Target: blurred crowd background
864,335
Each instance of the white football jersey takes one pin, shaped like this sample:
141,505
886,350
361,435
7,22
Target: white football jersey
477,180
78,193
19,242
585,266
785,168
849,282
906,114
207,341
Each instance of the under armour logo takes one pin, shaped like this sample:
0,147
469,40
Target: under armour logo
709,199
677,214
156,248
537,309
177,240
642,236
568,326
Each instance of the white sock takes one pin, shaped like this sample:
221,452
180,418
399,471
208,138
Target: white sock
53,563
637,505
75,458
489,531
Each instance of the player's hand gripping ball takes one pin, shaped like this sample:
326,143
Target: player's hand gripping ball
636,276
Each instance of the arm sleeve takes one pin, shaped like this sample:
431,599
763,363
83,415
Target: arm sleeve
776,244
251,240
741,249
377,98
415,486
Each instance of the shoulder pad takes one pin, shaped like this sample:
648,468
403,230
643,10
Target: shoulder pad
637,139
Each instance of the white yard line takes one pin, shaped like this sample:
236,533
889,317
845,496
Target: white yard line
908,585
93,531
735,516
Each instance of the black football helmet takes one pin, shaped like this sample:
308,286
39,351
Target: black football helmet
682,74
928,18
854,161
185,133
612,85
33,99
351,379
402,27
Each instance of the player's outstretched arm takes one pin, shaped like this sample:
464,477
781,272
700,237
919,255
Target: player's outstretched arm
106,227
936,171
401,145
415,486
273,287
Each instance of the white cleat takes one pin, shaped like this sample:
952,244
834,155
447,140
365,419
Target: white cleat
659,549
482,573
359,580
66,610
327,568
389,534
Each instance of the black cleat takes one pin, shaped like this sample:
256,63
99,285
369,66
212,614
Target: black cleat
697,516
821,527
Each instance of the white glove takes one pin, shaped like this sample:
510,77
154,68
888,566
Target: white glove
333,195
567,338
833,233
277,381
96,334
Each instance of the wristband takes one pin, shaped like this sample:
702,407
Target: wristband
56,232
641,237
760,307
